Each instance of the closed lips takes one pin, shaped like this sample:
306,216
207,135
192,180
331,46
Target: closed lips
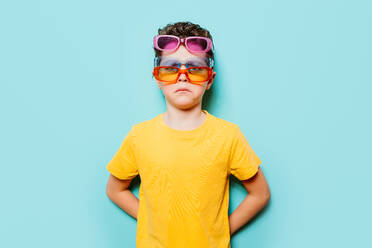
183,89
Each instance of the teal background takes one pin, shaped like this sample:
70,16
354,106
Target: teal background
294,75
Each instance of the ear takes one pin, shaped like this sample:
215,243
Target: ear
157,82
211,81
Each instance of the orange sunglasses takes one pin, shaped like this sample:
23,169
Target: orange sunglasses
170,74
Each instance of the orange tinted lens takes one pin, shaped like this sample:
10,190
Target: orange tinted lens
168,74
198,74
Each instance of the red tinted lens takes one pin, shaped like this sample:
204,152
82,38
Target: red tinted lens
197,44
167,43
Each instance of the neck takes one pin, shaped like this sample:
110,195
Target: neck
184,118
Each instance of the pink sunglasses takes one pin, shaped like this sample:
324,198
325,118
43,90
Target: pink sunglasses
194,44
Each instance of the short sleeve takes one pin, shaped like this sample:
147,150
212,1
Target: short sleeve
123,164
243,161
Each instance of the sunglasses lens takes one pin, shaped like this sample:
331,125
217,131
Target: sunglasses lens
167,74
198,74
197,44
167,43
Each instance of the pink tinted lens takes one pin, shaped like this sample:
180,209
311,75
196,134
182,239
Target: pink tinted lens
167,43
197,44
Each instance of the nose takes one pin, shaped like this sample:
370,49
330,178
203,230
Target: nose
182,76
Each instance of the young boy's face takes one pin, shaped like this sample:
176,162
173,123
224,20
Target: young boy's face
194,95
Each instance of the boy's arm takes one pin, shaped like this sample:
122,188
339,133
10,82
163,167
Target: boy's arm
258,197
118,192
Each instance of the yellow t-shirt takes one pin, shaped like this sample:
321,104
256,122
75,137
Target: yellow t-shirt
184,190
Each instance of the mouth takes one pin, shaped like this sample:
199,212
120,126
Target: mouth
183,90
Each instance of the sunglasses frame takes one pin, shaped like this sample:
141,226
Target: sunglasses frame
184,42
180,71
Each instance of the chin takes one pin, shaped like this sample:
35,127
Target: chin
183,103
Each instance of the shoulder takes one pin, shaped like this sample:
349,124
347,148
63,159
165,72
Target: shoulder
225,125
145,125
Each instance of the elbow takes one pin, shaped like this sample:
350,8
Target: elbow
108,192
115,186
263,196
266,196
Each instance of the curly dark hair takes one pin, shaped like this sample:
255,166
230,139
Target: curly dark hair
183,30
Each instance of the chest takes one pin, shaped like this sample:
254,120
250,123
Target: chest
183,158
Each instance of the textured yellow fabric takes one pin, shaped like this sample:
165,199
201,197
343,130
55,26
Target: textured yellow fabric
184,190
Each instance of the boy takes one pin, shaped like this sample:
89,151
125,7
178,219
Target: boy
185,155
